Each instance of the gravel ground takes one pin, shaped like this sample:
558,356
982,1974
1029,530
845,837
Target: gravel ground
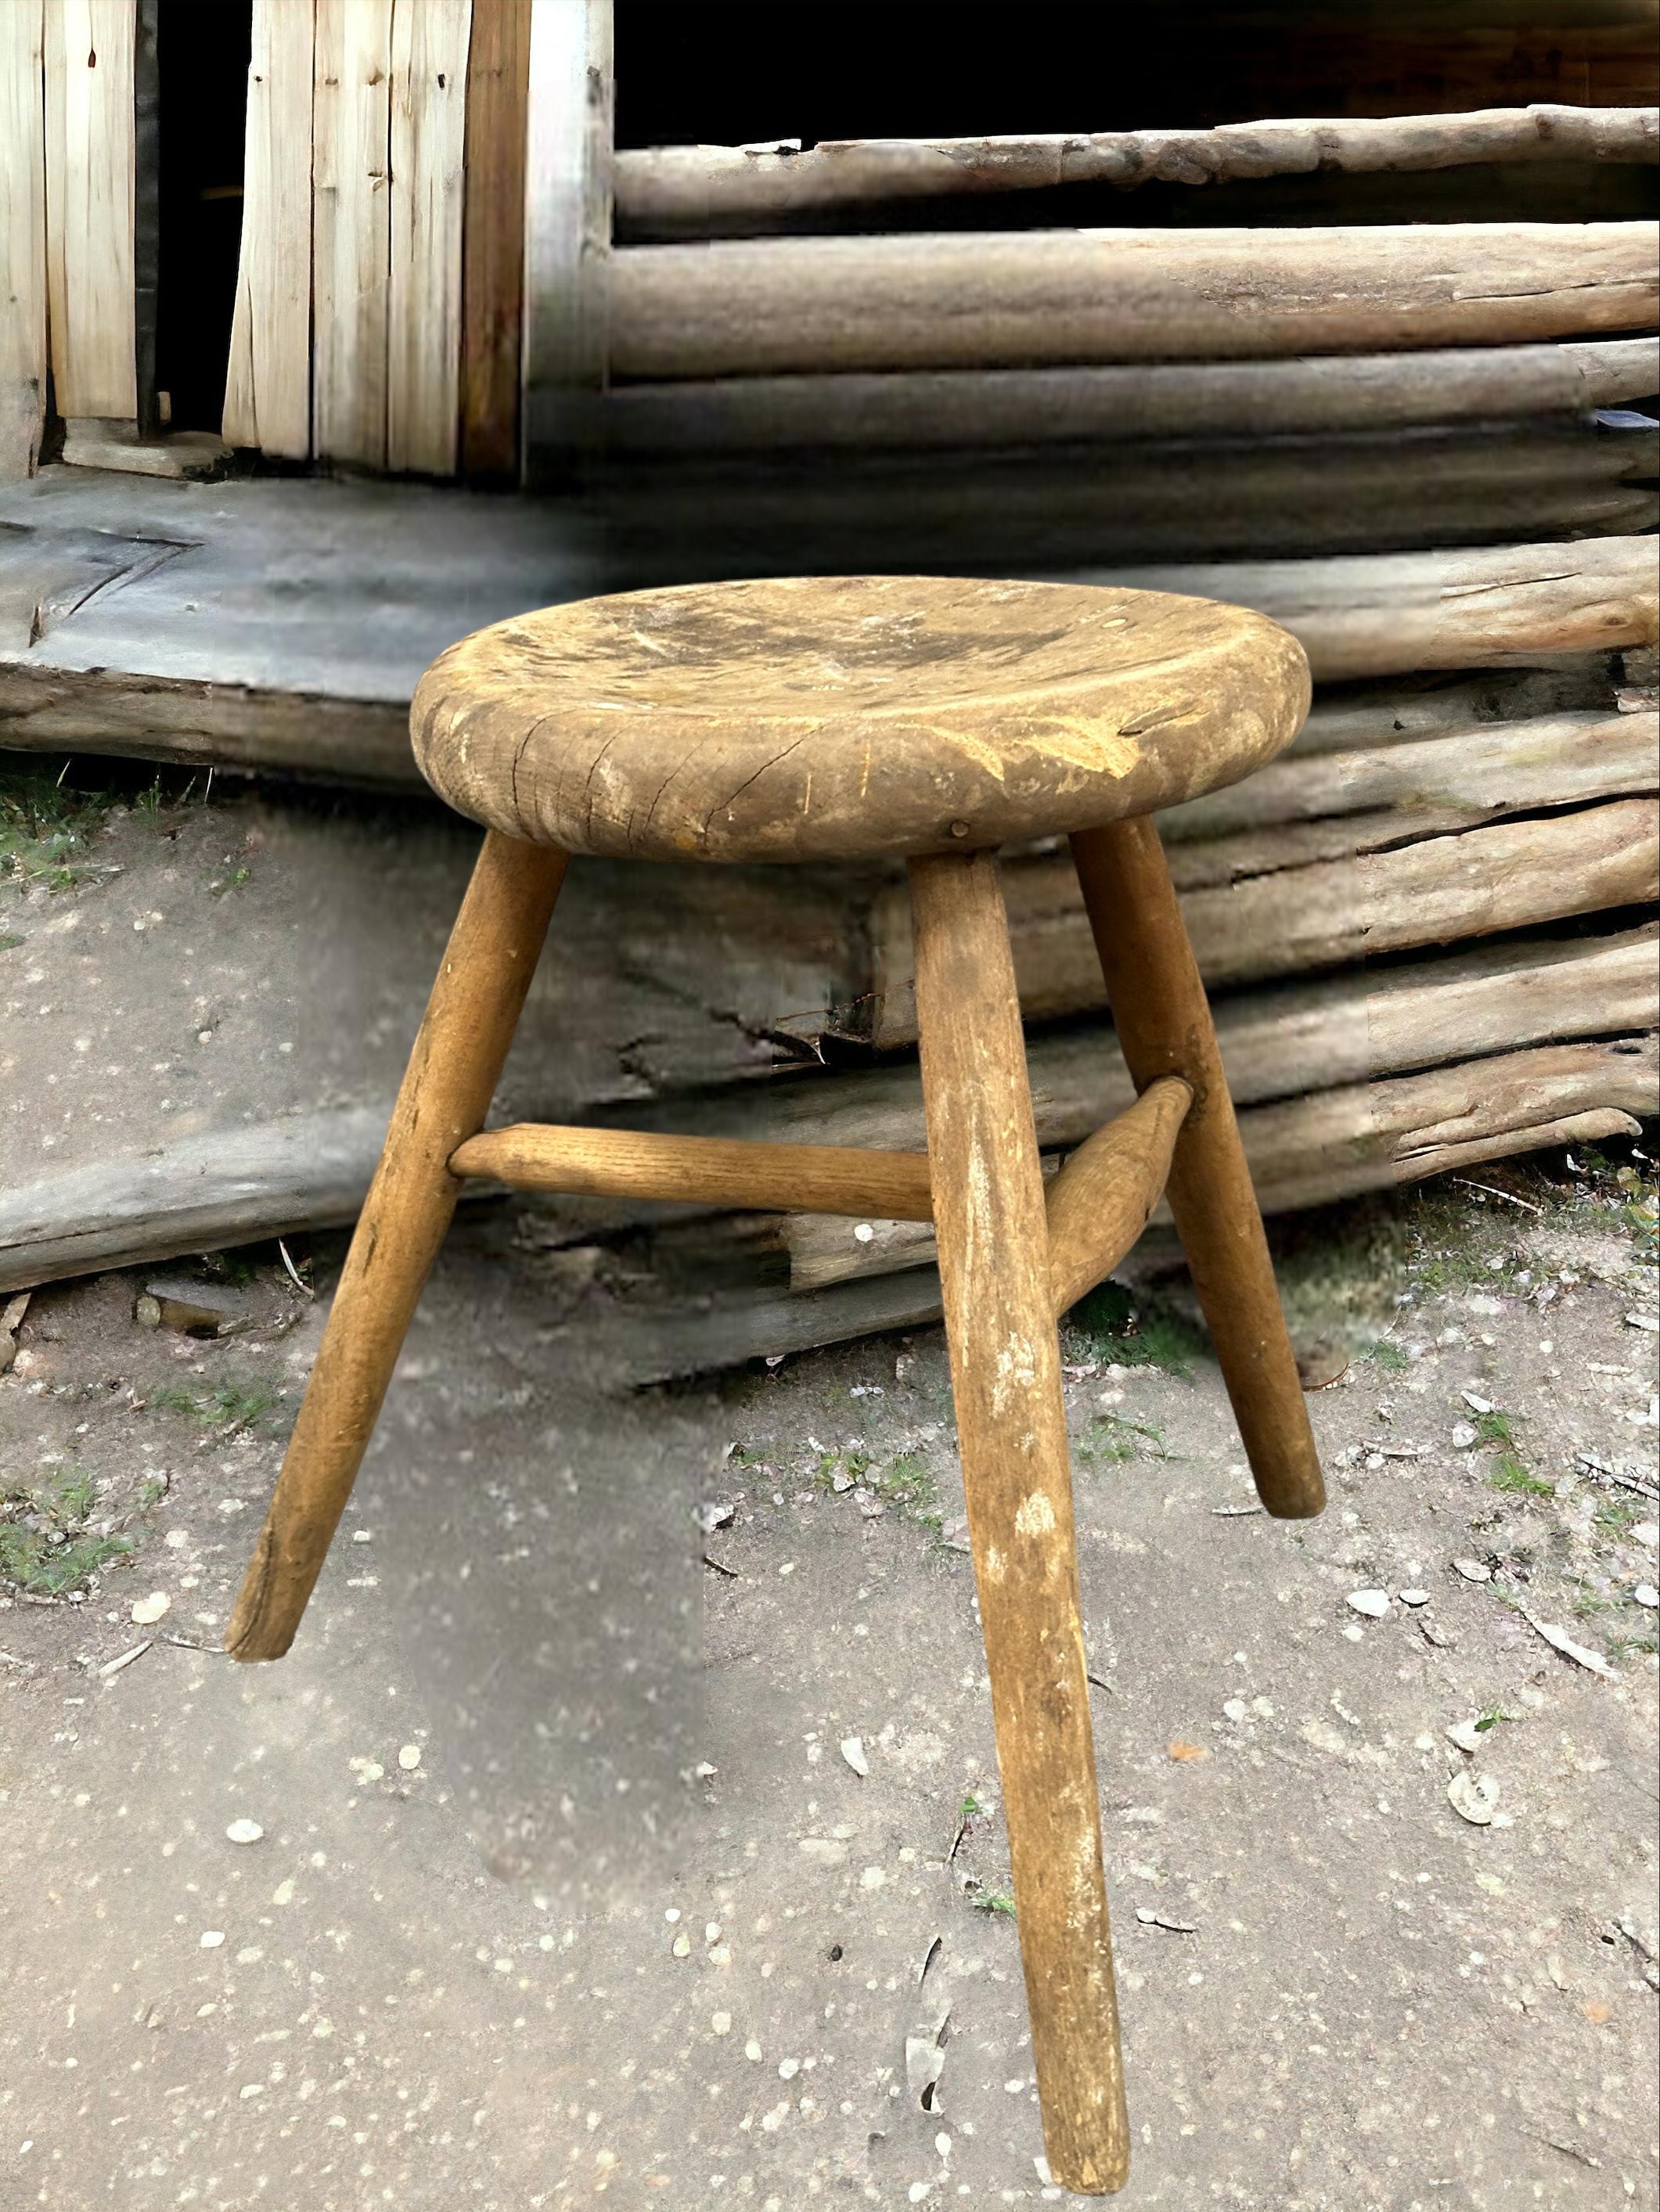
590,1867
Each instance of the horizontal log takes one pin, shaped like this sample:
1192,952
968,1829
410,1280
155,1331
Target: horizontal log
914,410
1385,711
680,191
228,1187
1388,613
760,307
700,1170
1104,1196
1338,1142
1507,876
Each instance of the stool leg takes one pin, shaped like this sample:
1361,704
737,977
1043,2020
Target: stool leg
1164,1024
1012,1434
446,1089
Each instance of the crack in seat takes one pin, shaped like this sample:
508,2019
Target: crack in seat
845,717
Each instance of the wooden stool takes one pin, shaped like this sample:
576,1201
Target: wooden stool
842,718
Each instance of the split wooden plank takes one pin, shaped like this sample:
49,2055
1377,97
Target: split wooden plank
351,214
492,237
699,191
914,411
22,237
758,307
1507,875
90,184
567,255
268,382
430,40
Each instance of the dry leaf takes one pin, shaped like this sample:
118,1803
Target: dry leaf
1595,2010
1180,1750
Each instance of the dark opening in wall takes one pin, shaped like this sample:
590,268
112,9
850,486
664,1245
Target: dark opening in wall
201,49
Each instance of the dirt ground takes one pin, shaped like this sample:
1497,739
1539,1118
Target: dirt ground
627,1815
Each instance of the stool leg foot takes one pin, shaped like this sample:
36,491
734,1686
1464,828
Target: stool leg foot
446,1089
1164,1024
1011,1433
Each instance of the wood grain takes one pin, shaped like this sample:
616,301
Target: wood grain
700,1170
352,216
1105,1194
89,136
567,255
688,191
430,41
268,381
1163,1024
1012,1436
22,237
446,1093
492,238
756,306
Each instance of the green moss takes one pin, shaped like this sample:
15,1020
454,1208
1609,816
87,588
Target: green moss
1115,1328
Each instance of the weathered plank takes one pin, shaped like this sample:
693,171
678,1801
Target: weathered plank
914,410
22,237
89,138
492,237
701,191
268,381
429,40
567,257
352,216
757,307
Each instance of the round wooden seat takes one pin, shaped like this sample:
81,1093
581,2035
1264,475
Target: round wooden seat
822,718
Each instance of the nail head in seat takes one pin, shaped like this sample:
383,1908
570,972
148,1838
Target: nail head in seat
842,717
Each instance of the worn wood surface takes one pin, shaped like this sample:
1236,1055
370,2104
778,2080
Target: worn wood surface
1012,1437
1512,874
351,214
268,382
446,1093
429,42
22,237
567,251
89,139
1105,1194
700,1170
914,410
1163,1025
492,237
690,191
829,718
758,307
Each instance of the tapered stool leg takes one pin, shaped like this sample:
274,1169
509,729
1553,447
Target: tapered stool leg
446,1089
1012,1434
1164,1024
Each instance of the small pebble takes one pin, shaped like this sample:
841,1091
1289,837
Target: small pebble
682,1947
409,1757
146,1611
212,1938
1466,1736
1463,1436
853,1750
245,1832
1413,1596
1374,1603
1234,1708
1472,1570
721,2022
1645,1594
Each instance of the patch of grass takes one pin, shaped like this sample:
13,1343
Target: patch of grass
68,1500
9,940
968,1810
1390,1358
31,1561
994,1900
1110,1326
1494,1428
1111,1439
907,1483
1492,1717
45,829
1619,1515
1628,1647
233,878
212,1405
1508,1472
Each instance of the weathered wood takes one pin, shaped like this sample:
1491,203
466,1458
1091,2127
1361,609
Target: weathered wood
89,140
1104,1196
22,237
268,381
804,719
1164,1028
1386,710
1506,876
492,237
446,1093
700,191
912,411
757,307
351,211
423,301
700,1170
567,255
1386,614
1012,1438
